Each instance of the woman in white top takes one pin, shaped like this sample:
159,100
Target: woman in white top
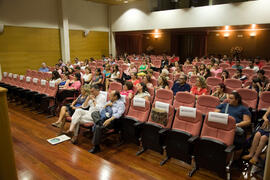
87,77
142,91
56,77
115,75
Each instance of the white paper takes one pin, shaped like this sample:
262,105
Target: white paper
139,102
58,139
162,106
218,117
187,112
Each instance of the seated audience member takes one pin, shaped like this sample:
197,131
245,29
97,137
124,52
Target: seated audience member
262,79
181,85
195,60
224,75
97,79
164,62
143,69
260,140
240,113
134,79
150,73
194,71
200,88
44,68
216,69
230,62
96,101
74,84
60,63
87,77
128,89
252,66
147,80
77,62
114,76
187,62
107,71
56,77
164,73
258,62
202,69
254,85
163,83
69,65
117,109
174,66
178,71
142,91
207,73
58,69
64,70
237,65
64,81
219,92
70,71
69,109
239,75
127,73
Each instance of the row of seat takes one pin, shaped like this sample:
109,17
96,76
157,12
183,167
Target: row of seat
183,135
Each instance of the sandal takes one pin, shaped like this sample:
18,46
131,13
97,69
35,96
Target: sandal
246,157
74,140
56,124
252,161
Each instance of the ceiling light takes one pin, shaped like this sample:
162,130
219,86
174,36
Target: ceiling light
253,26
226,27
252,34
226,34
126,1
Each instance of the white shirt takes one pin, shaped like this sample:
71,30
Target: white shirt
115,75
100,103
86,77
255,68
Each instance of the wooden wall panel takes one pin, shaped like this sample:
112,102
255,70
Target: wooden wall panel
95,44
252,46
22,48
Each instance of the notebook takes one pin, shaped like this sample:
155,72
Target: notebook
58,139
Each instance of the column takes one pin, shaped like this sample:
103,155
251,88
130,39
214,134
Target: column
112,48
64,31
7,162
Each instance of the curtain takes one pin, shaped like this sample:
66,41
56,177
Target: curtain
129,43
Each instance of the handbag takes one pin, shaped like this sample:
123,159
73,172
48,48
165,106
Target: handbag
159,116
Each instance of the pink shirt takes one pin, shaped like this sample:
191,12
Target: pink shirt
216,71
76,85
126,93
128,71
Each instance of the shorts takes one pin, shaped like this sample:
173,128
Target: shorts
263,132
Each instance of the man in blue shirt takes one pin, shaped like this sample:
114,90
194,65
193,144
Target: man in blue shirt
43,68
118,109
181,85
237,65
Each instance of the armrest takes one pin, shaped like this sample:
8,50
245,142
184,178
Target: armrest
163,131
138,124
193,139
229,149
214,141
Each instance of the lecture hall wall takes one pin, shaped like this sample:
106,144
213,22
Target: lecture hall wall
31,34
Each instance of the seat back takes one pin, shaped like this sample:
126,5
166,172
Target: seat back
126,100
224,65
152,94
192,80
249,72
156,74
15,79
188,119
264,101
115,86
184,99
27,82
231,71
220,127
207,103
43,86
249,97
213,81
36,85
154,82
52,89
233,83
139,109
164,106
164,95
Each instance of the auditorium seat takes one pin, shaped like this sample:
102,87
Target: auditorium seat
231,71
115,86
153,133
207,103
214,149
185,131
234,84
164,95
184,99
248,72
131,124
249,97
264,101
224,65
156,74
213,82
152,94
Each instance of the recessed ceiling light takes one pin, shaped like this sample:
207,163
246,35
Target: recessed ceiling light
126,1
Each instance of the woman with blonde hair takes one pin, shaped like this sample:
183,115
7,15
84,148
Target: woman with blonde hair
69,109
200,87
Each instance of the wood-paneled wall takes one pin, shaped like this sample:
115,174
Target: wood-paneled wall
95,44
22,48
252,46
